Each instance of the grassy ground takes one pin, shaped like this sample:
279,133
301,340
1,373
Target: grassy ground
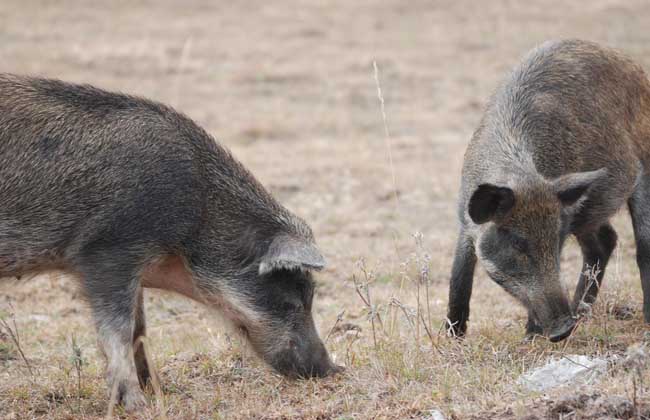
290,88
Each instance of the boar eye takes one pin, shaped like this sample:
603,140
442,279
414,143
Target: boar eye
516,242
521,246
289,307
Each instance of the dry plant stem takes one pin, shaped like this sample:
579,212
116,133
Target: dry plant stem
570,337
392,317
605,328
360,288
387,140
404,309
15,337
576,363
77,363
417,314
155,383
423,278
372,322
339,318
635,403
592,273
429,322
382,104
111,402
426,329
350,359
369,279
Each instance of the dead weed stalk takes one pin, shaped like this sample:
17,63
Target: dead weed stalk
417,316
13,333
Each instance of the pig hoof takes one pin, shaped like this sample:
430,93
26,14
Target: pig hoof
455,329
133,400
533,329
130,397
144,377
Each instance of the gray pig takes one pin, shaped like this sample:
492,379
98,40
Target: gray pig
564,143
125,193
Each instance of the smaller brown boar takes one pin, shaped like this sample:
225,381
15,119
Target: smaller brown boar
564,143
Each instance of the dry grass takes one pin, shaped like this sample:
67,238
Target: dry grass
290,88
400,363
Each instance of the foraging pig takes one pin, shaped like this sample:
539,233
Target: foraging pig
126,193
563,144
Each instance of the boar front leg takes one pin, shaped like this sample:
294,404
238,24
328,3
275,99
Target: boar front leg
597,247
533,326
112,287
639,205
460,287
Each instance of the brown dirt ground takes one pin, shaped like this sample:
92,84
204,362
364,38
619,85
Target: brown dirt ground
289,87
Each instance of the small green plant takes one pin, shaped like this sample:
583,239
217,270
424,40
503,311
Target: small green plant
78,362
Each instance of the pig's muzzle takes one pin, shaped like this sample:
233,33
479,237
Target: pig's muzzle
562,329
300,360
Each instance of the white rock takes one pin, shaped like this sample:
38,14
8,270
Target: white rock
569,370
435,415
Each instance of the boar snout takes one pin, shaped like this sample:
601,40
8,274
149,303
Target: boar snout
557,319
562,329
301,360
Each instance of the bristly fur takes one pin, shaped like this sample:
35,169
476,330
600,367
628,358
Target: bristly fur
103,184
568,133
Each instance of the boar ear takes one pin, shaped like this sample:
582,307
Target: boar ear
287,252
571,187
489,202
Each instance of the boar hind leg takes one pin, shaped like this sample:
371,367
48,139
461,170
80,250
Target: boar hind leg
460,287
597,246
139,331
112,288
639,205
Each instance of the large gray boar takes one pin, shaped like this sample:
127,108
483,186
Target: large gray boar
564,143
125,193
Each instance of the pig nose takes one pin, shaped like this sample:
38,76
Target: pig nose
562,329
321,364
304,360
328,369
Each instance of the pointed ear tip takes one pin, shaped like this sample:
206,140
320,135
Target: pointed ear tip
264,269
319,266
267,267
596,173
